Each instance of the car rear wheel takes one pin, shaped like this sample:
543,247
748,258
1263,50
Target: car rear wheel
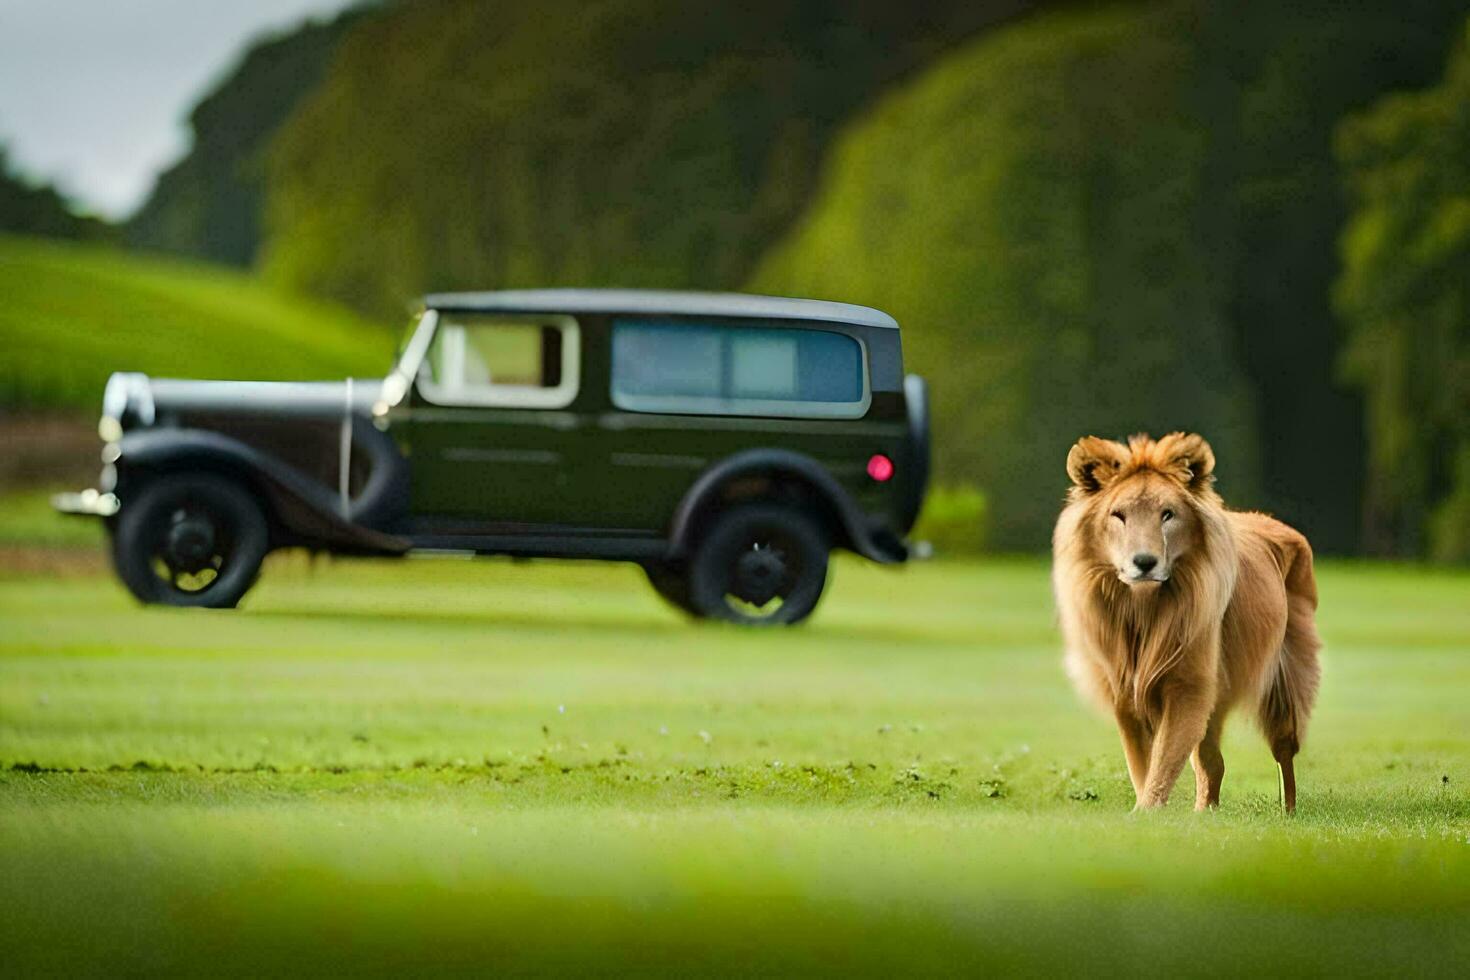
760,564
190,540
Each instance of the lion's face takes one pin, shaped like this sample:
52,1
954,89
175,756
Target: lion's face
1144,524
1142,501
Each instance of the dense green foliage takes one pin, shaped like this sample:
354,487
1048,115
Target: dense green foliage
31,208
537,769
1405,294
210,203
73,314
1113,219
1041,271
1095,218
1279,77
616,142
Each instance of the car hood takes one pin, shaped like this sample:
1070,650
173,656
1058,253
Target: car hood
133,400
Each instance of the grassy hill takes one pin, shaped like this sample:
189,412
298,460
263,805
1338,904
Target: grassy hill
73,314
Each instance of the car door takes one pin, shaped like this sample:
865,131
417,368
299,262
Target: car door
687,392
495,436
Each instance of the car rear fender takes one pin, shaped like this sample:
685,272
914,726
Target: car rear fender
780,468
302,506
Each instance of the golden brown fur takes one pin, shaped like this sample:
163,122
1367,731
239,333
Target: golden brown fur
1175,610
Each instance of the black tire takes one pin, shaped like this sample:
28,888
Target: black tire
760,565
190,540
671,582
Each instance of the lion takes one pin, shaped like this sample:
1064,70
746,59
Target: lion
1175,610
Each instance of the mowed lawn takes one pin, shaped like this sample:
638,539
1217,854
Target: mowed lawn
387,768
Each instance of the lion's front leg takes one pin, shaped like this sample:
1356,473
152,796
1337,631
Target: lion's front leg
1187,705
1137,745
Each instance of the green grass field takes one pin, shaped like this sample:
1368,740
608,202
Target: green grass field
386,768
73,314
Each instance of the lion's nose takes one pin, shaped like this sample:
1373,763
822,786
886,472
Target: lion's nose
1144,562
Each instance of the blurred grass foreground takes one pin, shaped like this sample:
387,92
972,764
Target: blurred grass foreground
487,767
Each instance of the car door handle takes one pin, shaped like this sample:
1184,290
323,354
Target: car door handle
563,421
480,454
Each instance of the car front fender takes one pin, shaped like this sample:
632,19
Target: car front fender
303,506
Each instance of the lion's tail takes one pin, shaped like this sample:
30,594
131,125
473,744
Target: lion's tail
1293,687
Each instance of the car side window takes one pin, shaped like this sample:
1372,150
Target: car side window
502,361
685,367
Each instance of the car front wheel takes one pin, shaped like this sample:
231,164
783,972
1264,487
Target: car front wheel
190,540
760,564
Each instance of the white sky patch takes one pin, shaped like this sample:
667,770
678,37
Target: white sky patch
94,94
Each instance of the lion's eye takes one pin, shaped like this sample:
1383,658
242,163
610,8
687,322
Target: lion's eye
1168,515
1119,515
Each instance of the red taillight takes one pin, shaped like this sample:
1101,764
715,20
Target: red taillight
880,468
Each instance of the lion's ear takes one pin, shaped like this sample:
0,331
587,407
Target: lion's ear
1093,462
1190,458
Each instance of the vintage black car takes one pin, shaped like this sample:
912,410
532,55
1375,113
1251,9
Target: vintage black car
726,443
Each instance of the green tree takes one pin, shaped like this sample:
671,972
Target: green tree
1404,294
578,142
211,202
1033,210
1282,77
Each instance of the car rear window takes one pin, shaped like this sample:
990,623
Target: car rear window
691,367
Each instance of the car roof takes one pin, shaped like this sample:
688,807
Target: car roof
657,301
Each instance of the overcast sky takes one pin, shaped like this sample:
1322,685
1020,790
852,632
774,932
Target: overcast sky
94,93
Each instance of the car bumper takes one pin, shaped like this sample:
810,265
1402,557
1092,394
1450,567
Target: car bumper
87,503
